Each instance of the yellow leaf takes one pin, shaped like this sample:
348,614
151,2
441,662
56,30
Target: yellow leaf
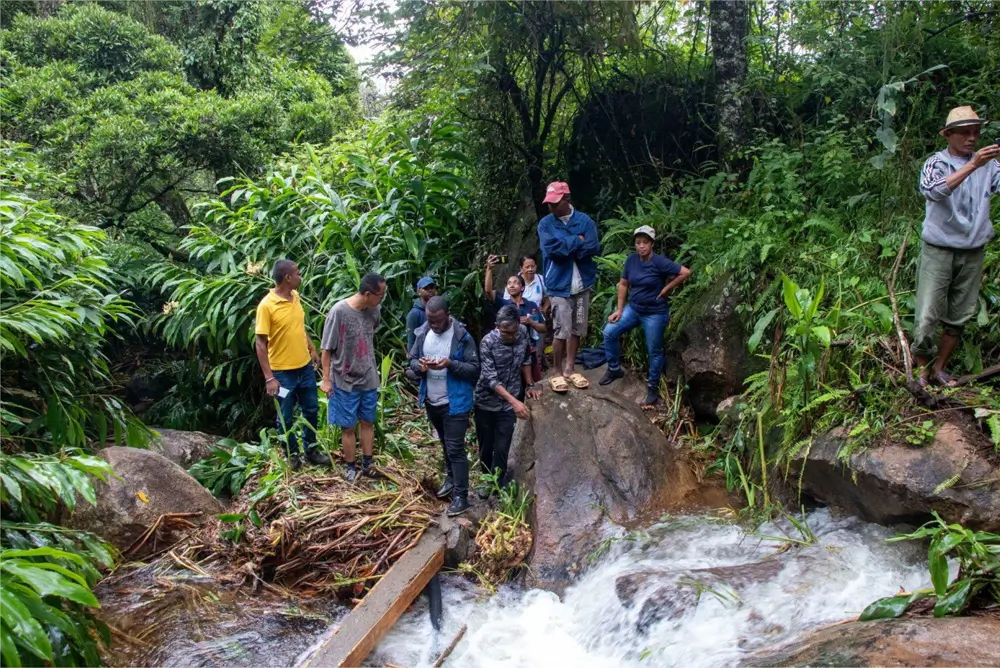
142,496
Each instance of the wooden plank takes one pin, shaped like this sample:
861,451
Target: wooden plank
362,629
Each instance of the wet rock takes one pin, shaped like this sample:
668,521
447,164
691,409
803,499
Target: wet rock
731,408
900,483
183,447
918,641
145,486
589,456
669,594
460,534
711,351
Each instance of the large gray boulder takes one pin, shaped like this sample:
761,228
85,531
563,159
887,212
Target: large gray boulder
917,641
183,448
710,351
145,486
901,483
589,457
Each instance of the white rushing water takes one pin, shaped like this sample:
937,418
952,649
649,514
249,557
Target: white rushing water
830,580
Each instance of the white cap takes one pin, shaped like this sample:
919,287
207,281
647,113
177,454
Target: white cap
647,230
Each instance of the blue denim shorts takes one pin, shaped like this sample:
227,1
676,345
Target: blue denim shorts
349,407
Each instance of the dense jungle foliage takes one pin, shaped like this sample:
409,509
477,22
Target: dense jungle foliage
159,156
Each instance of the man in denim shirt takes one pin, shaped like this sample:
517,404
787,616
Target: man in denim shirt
956,184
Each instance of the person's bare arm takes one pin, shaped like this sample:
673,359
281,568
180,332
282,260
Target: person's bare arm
530,392
979,158
520,410
678,279
270,382
488,282
622,293
326,384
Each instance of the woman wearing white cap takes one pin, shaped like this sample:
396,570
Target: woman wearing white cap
647,279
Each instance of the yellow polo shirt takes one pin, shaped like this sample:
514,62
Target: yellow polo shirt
283,322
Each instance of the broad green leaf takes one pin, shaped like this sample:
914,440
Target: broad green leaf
48,583
759,328
887,608
938,566
789,291
26,630
823,334
955,600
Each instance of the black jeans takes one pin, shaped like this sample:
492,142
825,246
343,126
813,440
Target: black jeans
494,431
451,430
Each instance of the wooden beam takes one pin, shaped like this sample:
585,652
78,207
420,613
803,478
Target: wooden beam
986,373
362,629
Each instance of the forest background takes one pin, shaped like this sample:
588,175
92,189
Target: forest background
158,156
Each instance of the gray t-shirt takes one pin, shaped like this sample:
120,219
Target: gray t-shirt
347,336
438,345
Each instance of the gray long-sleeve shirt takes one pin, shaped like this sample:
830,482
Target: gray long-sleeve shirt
501,365
958,218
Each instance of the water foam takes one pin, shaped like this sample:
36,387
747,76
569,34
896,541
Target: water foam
828,581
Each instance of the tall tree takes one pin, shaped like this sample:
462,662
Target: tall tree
730,24
519,66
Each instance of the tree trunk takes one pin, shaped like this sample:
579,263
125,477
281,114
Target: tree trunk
730,22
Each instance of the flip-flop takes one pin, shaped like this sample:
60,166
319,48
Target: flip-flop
943,379
558,384
579,381
923,381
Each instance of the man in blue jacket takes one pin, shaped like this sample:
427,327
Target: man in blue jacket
447,360
569,243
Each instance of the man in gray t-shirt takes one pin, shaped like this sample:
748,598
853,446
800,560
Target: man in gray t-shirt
350,374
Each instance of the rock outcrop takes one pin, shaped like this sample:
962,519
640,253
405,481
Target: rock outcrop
183,448
900,483
590,456
711,351
145,486
918,641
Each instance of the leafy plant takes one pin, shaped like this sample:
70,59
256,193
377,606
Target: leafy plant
46,571
976,583
230,464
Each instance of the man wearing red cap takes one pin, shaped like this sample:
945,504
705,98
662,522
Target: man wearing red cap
956,184
569,243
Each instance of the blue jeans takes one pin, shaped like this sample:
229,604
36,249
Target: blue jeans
654,325
301,386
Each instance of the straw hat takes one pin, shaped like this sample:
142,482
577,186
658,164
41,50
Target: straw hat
960,117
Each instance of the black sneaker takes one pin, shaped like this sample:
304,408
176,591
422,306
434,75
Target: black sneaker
446,489
294,462
318,458
458,506
368,470
350,474
610,376
652,397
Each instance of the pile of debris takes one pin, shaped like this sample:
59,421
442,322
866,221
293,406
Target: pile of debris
315,534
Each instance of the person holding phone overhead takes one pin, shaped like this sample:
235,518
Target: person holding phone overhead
445,358
288,359
531,312
647,279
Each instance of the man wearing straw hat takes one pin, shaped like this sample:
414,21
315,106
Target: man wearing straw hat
956,184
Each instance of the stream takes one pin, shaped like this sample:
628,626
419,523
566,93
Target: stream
783,589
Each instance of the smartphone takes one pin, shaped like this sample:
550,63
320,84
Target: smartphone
282,393
502,259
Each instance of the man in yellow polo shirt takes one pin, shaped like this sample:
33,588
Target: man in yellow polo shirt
289,360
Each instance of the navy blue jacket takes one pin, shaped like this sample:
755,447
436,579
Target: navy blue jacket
463,367
562,246
416,317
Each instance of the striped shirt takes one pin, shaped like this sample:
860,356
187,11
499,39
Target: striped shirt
957,218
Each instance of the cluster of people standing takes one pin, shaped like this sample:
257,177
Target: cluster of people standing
459,381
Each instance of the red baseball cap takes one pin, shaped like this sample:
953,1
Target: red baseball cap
555,192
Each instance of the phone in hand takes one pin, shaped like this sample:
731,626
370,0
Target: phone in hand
502,259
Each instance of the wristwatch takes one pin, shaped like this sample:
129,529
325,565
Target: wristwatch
530,385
